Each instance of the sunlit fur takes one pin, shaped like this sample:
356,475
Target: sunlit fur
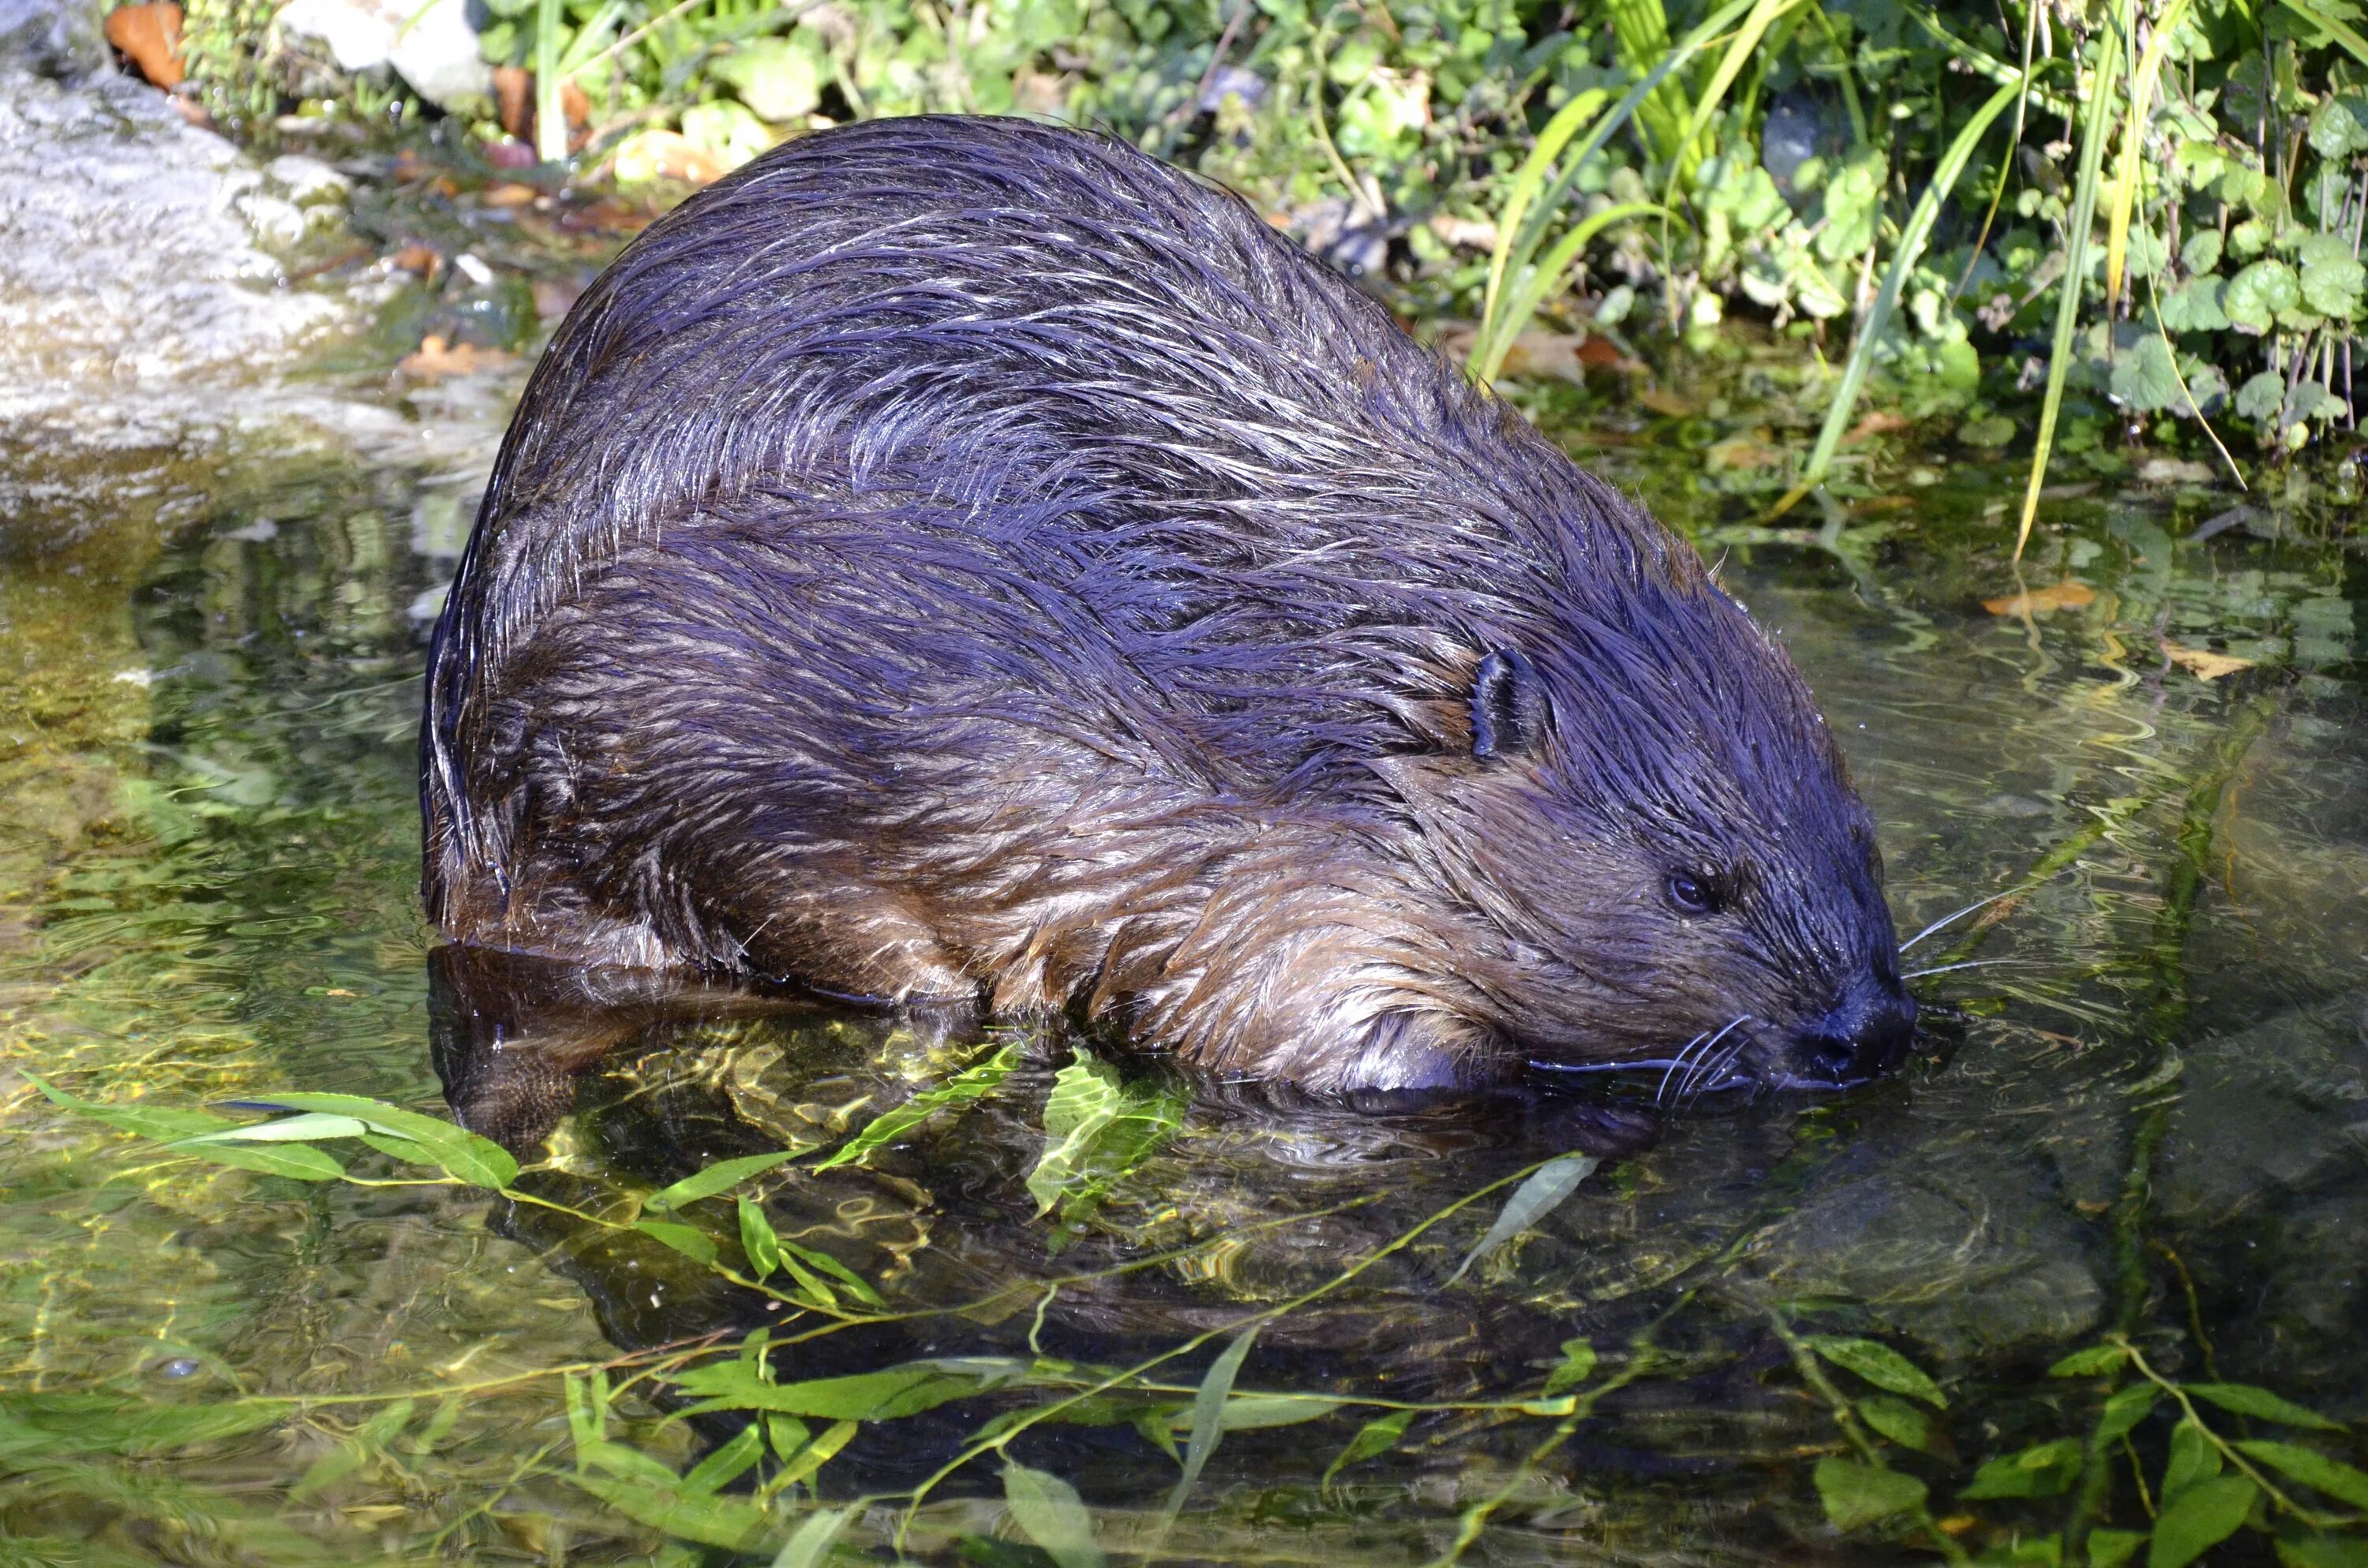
959,557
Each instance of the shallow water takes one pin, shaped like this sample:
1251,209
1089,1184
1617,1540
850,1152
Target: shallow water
2145,1112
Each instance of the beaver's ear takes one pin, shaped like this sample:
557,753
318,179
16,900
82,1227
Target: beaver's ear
1509,708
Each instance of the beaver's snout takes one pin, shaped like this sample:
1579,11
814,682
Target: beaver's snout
1864,1037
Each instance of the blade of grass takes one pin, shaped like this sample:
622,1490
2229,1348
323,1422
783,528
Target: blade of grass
1547,276
2125,181
2006,158
1754,26
1903,265
1516,246
2353,44
2076,237
550,113
1527,182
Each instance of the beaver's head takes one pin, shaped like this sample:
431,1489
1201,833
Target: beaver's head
1656,841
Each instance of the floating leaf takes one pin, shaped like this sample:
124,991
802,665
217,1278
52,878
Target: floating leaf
1535,1199
728,1522
729,1460
883,1395
1578,1366
757,1239
2043,1469
889,1125
1046,1507
2203,663
2094,1361
688,1240
1209,1413
2312,1469
2246,1400
2066,594
720,1178
2199,1519
1910,1425
1880,1365
1857,1495
480,1162
1374,1438
2193,1457
812,1538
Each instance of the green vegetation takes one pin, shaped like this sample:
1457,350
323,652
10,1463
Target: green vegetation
1904,190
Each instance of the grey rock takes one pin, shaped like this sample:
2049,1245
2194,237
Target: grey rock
431,44
63,38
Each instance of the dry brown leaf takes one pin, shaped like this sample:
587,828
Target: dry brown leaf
511,196
2202,662
1471,233
425,260
2066,595
1743,451
665,154
437,358
150,37
1878,423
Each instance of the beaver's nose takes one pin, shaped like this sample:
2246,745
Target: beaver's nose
1864,1037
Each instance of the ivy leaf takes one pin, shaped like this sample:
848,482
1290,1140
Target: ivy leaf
1880,1365
2257,296
1857,1495
2246,1400
2332,276
2313,1469
2199,1519
2144,379
2201,254
1046,1507
2340,127
1532,1201
1374,1438
2195,306
2263,397
2042,1470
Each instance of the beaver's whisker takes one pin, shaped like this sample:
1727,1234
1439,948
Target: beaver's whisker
1969,963
1952,919
1641,1065
1685,1052
1717,1073
1713,1060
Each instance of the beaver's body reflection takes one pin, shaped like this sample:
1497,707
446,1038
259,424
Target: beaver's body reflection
626,1080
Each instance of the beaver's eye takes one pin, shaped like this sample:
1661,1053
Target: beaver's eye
1693,893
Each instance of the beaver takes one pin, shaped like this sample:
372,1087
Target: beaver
967,558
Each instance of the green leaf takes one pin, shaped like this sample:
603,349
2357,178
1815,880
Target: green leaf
1374,1438
2332,276
480,1162
2092,1362
287,1130
2124,1409
757,1239
2199,1519
819,1452
587,1410
2246,1400
1880,1365
722,1176
883,1395
1857,1495
2340,127
2257,296
889,1125
2263,397
1910,1425
2144,379
832,1266
169,1125
729,1460
1086,1098
728,1522
688,1240
780,78
2322,1552
812,1539
2043,1469
2201,254
1209,1413
1046,1507
2110,1548
1535,1199
1246,1411
1578,1366
2312,1469
2193,1457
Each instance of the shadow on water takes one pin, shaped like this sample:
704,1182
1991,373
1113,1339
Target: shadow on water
2145,1112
